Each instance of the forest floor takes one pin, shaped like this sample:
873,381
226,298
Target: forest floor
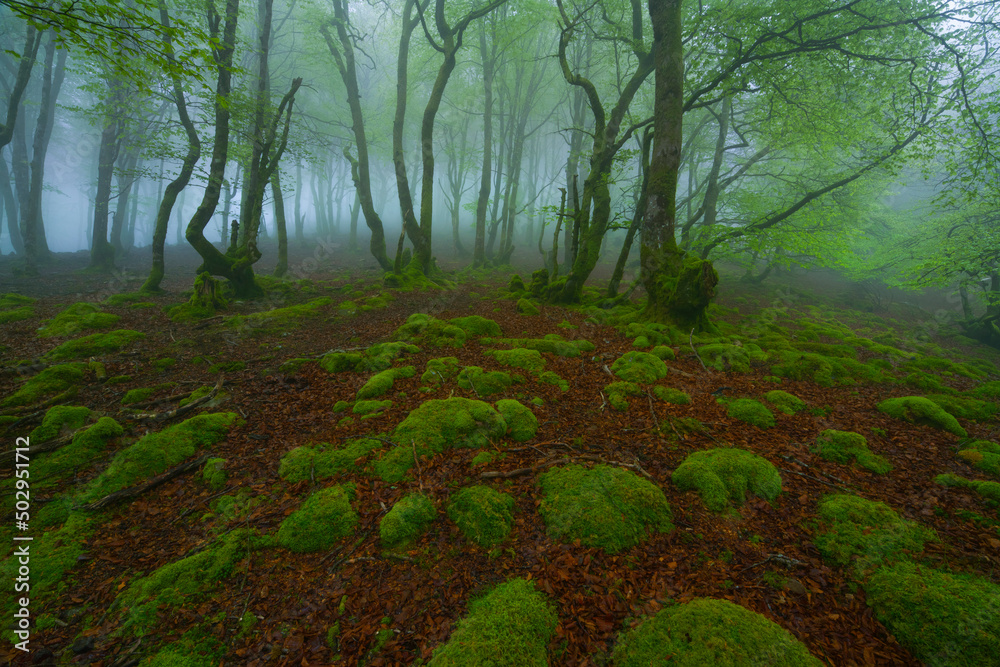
395,608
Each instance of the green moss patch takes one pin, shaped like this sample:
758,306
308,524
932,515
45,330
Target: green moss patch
156,452
48,468
49,382
982,455
370,408
671,395
475,325
76,318
710,632
321,461
551,377
527,307
94,345
529,360
787,403
663,352
990,490
521,421
941,617
484,383
726,474
381,383
427,330
639,367
552,343
11,300
731,357
513,616
407,519
376,358
646,334
619,391
845,446
213,473
325,517
16,314
965,407
750,411
827,371
920,410
483,515
58,420
279,318
604,506
868,530
441,370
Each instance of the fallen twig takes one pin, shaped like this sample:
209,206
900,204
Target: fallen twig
816,479
693,349
184,409
67,395
139,489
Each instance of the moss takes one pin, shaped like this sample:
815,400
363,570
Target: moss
322,461
16,314
663,352
49,382
750,411
381,383
527,307
619,391
987,390
156,452
407,519
845,446
787,403
162,365
924,382
730,357
941,617
604,507
671,395
521,421
213,473
48,468
827,371
710,632
920,410
370,407
138,395
723,475
11,300
338,362
59,419
279,318
94,344
990,490
639,367
428,330
654,333
484,383
511,626
871,531
482,514
965,407
438,424
985,461
440,370
529,360
195,395
227,367
552,343
516,285
475,325
76,318
380,356
177,584
325,517
550,377
485,457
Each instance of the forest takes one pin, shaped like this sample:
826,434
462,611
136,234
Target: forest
500,332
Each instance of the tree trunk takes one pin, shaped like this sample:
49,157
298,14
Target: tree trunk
637,216
102,254
479,249
32,38
279,220
10,208
126,179
299,236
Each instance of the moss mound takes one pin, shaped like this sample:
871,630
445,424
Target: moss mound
441,370
213,473
845,446
731,357
723,475
552,343
604,507
619,391
989,490
639,367
551,377
750,411
474,325
59,419
76,318
376,358
483,515
16,314
436,425
671,395
12,300
49,382
943,618
509,627
527,307
87,445
965,407
427,330
484,383
325,517
521,421
381,383
407,519
871,531
322,461
920,410
279,318
663,352
94,345
529,360
156,452
710,632
983,455
787,403
825,370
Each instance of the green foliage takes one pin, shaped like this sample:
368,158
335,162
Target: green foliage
325,517
920,410
381,383
76,318
604,507
482,514
871,531
725,474
671,395
619,391
943,618
48,382
787,403
322,461
750,411
710,632
94,345
370,408
845,446
509,627
407,519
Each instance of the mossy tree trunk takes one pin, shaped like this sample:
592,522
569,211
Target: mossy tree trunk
679,288
488,57
279,220
637,218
